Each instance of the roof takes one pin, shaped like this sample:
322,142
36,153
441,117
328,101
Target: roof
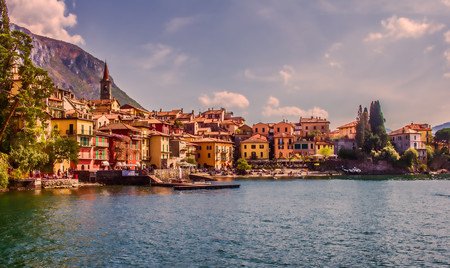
419,126
403,130
166,113
212,111
106,73
351,124
313,120
157,133
100,133
204,140
129,106
257,138
119,126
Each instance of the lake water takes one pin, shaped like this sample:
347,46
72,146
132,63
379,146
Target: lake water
265,223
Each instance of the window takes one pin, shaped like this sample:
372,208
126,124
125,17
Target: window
312,146
82,129
278,129
263,129
305,146
306,127
245,146
253,146
71,129
256,129
245,154
209,155
261,146
261,154
314,127
324,128
285,129
90,130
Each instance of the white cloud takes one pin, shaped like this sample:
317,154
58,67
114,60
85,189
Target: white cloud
225,99
273,108
446,2
329,56
428,49
286,73
45,17
177,24
161,55
395,28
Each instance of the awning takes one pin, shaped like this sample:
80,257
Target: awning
105,163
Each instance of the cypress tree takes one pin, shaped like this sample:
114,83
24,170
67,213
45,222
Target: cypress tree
377,126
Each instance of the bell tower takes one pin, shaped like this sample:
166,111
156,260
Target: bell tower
105,85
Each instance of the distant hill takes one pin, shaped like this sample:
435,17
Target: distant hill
72,68
441,126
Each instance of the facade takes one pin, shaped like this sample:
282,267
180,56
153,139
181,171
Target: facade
348,131
425,131
304,147
213,153
283,127
255,148
283,144
82,130
262,129
101,150
405,138
314,125
159,145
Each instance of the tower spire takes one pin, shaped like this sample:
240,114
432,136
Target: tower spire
106,72
105,84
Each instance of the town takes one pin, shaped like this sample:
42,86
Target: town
115,136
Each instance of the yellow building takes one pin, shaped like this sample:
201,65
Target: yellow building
255,147
425,131
159,149
214,153
81,128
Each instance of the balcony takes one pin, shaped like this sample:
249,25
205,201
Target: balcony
102,144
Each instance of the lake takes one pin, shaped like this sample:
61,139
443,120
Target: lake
265,223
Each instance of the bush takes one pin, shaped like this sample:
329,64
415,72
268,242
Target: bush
410,158
388,153
242,166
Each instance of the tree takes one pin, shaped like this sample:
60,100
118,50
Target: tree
326,151
443,135
242,166
23,90
60,149
388,153
3,171
379,137
410,158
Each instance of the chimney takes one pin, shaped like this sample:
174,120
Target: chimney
160,109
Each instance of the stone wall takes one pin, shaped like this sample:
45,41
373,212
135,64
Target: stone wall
59,183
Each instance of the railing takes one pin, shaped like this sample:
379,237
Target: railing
102,144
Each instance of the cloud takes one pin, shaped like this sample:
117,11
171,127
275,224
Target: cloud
273,108
178,23
447,36
446,2
225,99
285,75
161,55
45,17
396,28
329,57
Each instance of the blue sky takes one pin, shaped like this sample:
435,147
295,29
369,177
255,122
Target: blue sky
266,60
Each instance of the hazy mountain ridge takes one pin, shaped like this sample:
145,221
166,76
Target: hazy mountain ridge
441,126
72,68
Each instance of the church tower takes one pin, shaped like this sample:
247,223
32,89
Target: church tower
105,85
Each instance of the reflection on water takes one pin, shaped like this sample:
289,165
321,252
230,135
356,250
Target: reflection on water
264,223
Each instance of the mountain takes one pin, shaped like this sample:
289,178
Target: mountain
441,126
72,68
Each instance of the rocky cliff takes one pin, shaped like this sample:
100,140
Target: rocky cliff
72,68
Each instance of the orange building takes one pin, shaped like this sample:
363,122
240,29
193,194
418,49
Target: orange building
314,125
283,145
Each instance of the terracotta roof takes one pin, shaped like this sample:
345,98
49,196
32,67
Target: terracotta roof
119,126
202,140
129,106
256,138
351,124
419,127
403,130
106,73
157,133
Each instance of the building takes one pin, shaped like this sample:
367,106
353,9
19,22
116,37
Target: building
130,148
105,106
348,130
304,147
101,150
406,138
81,128
159,145
255,148
425,131
283,144
314,126
262,128
213,153
283,127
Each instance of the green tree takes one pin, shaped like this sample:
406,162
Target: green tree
443,135
60,149
388,153
242,166
379,137
22,110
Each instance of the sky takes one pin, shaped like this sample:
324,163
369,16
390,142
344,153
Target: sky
265,60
